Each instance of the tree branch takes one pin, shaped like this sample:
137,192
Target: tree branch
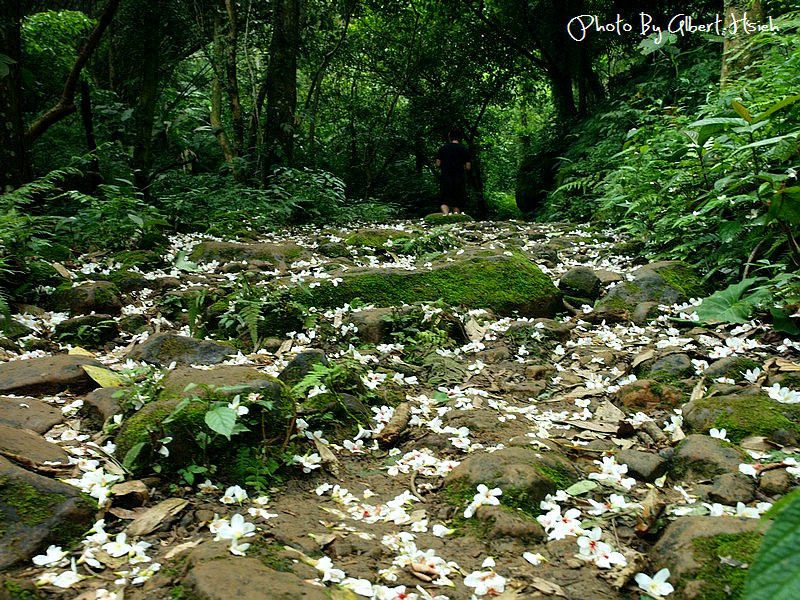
66,104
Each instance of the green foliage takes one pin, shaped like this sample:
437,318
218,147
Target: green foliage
775,572
736,303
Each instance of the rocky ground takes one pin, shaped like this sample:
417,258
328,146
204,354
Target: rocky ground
421,410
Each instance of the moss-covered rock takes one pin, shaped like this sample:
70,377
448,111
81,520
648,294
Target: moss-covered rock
743,415
185,427
691,547
442,219
93,296
665,282
525,475
374,238
504,284
36,511
701,457
276,254
732,367
165,348
144,259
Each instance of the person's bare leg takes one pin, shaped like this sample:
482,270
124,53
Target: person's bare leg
445,209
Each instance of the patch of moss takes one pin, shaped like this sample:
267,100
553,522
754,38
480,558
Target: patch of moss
137,258
505,284
14,591
743,416
684,280
33,507
374,238
271,555
558,474
723,581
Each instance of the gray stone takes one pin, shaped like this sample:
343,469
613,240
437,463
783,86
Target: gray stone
247,579
36,511
279,255
581,282
100,404
701,457
28,413
671,367
645,312
301,365
775,482
30,446
730,488
644,466
164,348
47,375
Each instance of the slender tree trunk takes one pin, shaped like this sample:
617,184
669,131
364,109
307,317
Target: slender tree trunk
88,128
14,169
146,103
216,93
736,9
282,85
232,78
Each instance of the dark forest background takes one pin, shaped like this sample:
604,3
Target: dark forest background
125,120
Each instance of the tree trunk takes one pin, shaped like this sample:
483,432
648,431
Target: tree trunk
732,43
232,78
14,170
216,93
282,85
146,103
93,176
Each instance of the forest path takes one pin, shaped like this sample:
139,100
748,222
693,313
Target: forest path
580,422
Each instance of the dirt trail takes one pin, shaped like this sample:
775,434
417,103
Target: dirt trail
596,433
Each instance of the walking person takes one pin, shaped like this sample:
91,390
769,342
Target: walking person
454,160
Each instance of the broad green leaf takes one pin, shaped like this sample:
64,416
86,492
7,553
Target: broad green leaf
78,351
222,420
131,455
576,489
104,377
782,322
184,264
776,107
731,121
136,219
733,304
775,572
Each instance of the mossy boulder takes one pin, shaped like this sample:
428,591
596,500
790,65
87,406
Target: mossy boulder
731,367
701,457
144,259
375,238
87,330
505,284
665,282
150,424
442,219
36,511
691,547
525,475
279,255
245,379
301,365
165,348
94,296
744,415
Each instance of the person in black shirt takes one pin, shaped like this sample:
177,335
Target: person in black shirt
454,160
